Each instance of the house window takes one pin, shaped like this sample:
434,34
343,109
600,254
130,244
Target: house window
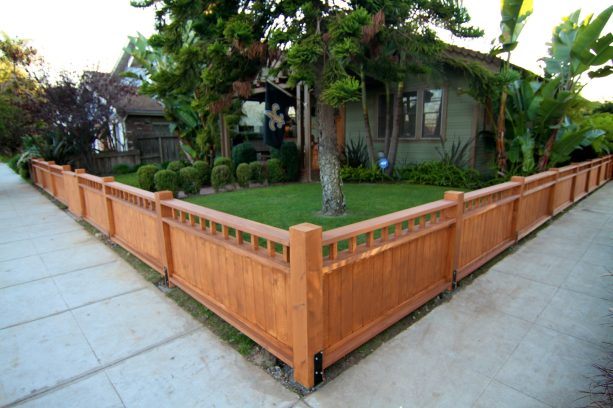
422,114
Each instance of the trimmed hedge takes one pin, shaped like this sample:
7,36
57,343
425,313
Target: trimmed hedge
166,180
442,174
121,168
175,166
189,180
146,175
220,176
204,172
275,171
221,160
288,155
243,174
243,153
257,172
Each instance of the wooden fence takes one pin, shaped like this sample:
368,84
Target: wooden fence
309,296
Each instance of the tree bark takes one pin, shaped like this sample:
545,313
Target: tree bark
369,139
397,116
388,120
333,200
544,160
501,154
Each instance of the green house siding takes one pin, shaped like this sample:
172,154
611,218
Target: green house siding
460,111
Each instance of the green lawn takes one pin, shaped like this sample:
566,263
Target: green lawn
130,179
286,205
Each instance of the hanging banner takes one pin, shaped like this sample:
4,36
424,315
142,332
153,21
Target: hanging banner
276,104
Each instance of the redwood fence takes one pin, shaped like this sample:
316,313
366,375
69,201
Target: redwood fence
311,296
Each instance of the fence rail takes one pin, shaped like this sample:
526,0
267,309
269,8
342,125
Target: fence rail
308,296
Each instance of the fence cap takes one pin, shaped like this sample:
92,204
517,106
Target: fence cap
305,227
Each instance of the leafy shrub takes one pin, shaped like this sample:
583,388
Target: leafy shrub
135,168
441,174
363,174
175,166
257,172
189,180
290,161
164,165
243,153
121,168
456,155
275,171
166,180
356,154
220,176
12,163
243,174
204,172
146,175
221,160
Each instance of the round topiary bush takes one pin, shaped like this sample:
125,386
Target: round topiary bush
204,171
121,168
243,174
257,172
145,175
189,180
175,166
275,171
243,153
220,176
166,180
221,160
288,154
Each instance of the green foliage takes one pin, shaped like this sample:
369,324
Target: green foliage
514,15
289,157
190,180
12,163
456,155
275,171
356,154
342,91
121,168
437,173
257,172
243,153
146,175
243,174
362,174
602,121
221,176
204,172
570,138
220,160
166,180
175,165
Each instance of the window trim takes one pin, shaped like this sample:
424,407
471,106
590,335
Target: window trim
420,115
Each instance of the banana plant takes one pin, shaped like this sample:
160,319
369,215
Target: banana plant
514,14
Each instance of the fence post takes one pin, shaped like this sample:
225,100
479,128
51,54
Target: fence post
517,206
306,288
456,235
108,205
552,193
164,234
573,184
51,178
80,208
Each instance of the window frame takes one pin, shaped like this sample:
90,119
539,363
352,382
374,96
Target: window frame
419,120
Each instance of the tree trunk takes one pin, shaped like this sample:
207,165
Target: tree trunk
396,127
369,139
388,120
501,154
544,160
333,201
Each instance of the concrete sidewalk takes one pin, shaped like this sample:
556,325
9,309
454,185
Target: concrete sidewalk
80,328
524,334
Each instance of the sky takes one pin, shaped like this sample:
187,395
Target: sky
75,35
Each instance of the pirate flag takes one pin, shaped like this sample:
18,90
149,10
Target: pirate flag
276,105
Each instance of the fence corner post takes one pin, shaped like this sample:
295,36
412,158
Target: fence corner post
517,207
164,234
306,288
108,205
551,204
456,236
